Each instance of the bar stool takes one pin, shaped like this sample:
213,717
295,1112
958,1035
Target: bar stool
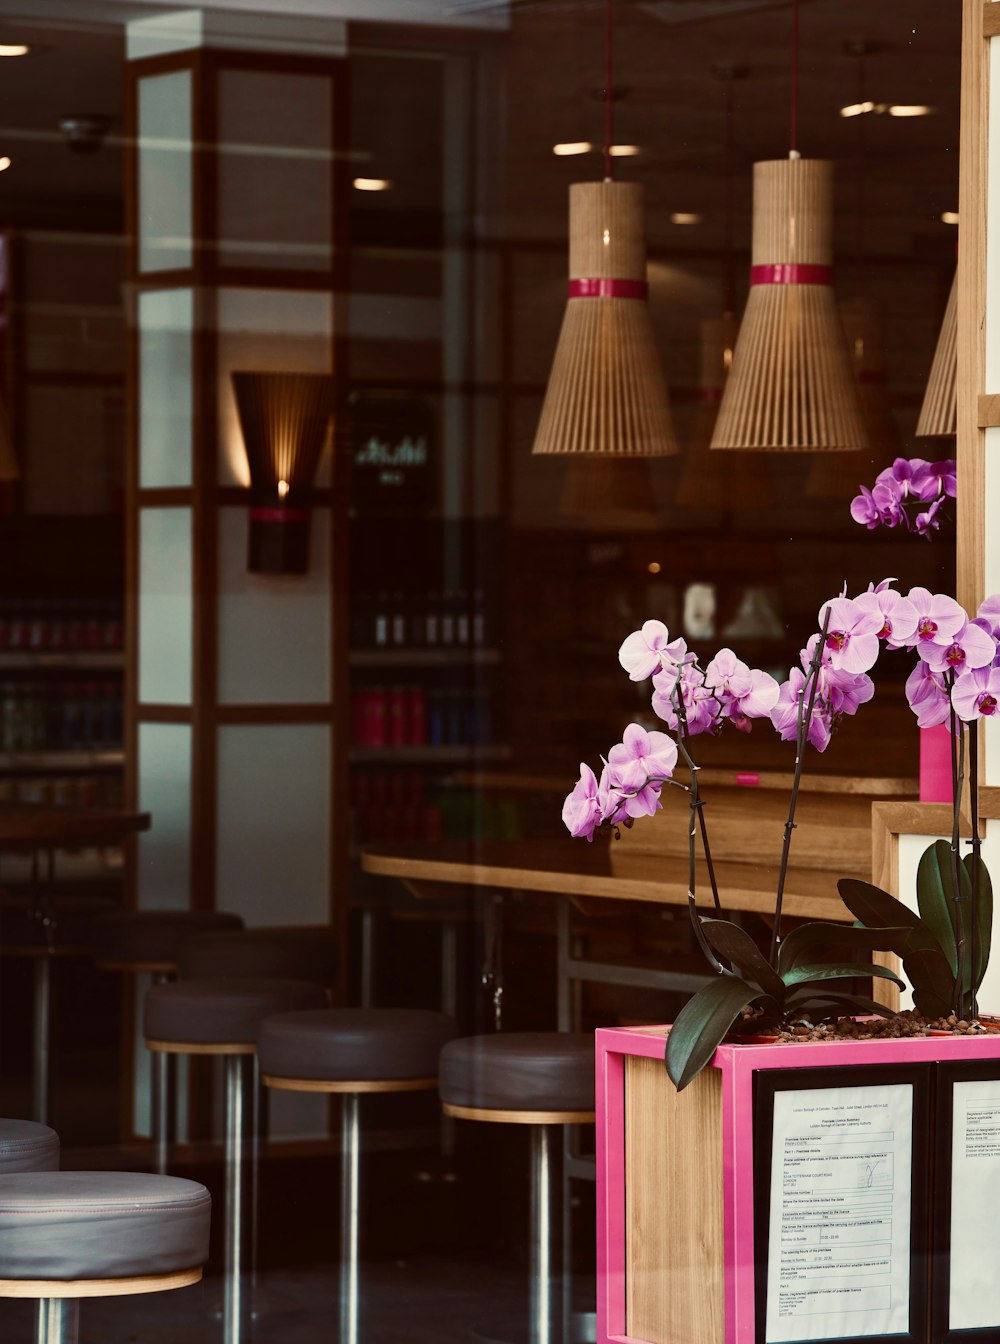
27,1146
351,1051
220,1017
137,942
65,1235
542,1079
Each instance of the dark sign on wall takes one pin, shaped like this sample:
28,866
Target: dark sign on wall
394,454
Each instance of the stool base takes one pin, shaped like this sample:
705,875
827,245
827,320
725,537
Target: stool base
74,1288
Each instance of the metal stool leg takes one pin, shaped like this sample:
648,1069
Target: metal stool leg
163,1075
42,1031
350,1217
239,1165
542,1296
57,1320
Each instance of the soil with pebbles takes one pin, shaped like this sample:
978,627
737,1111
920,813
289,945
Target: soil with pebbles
907,1023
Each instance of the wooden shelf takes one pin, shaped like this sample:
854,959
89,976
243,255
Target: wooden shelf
427,755
452,656
28,660
111,758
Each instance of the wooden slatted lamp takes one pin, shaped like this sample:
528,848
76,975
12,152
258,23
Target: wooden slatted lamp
284,419
939,411
792,386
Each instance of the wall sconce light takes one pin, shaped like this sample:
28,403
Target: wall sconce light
283,417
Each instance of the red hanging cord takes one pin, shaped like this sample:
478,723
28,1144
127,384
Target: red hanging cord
607,90
795,81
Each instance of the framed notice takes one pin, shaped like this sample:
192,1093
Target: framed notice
394,454
966,1298
841,1203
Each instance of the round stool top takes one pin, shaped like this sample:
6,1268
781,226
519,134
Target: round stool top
100,1225
27,1146
288,952
520,1071
215,1012
153,937
353,1044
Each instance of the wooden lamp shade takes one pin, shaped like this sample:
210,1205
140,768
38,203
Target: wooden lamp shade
606,392
284,418
792,386
939,412
708,482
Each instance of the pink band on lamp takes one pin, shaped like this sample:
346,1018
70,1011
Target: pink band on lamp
275,514
791,273
608,289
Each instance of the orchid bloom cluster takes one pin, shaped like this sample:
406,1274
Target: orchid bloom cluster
909,494
958,667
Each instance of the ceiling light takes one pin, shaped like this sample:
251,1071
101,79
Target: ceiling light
13,49
909,110
857,109
5,163
622,151
684,217
572,147
949,216
372,183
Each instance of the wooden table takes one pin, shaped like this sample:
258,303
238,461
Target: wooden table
42,830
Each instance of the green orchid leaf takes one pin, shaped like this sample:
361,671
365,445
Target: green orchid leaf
984,913
728,940
935,897
859,1003
931,1005
875,908
701,1025
804,975
929,973
813,942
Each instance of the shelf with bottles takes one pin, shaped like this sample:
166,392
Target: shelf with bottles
48,715
63,786
49,631
428,625
410,807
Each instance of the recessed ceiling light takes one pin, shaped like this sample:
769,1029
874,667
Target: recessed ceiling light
909,110
13,49
684,217
653,567
623,151
5,163
572,147
372,183
949,216
857,109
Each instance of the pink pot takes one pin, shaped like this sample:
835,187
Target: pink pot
935,765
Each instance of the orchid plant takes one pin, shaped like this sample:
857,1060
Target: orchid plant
956,680
911,494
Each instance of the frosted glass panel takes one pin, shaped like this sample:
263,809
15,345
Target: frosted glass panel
273,857
274,631
277,330
275,138
165,606
166,374
164,188
165,793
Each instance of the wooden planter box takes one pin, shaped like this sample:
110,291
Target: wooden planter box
685,1185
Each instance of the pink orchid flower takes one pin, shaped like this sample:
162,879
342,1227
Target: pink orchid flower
852,635
976,693
971,647
927,696
899,615
581,811
649,650
785,714
640,757
939,617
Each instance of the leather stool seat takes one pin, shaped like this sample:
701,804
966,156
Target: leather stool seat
27,1146
354,1044
543,1071
222,1012
287,952
153,937
100,1225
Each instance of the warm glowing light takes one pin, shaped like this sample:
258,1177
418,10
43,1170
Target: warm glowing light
857,109
623,151
572,147
653,566
282,489
727,358
372,184
909,110
949,216
684,217
13,49
5,163
607,237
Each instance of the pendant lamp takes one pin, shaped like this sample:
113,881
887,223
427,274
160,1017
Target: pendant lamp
606,392
939,412
792,386
707,481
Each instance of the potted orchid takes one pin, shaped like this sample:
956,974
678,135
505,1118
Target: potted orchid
812,974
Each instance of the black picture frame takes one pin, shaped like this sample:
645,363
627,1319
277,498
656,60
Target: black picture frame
987,1070
767,1083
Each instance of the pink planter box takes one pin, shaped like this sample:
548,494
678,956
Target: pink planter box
675,1179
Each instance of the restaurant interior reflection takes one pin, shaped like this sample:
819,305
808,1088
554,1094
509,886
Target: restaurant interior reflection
297,628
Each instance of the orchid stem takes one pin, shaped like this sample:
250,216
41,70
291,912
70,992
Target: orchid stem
696,805
958,780
976,847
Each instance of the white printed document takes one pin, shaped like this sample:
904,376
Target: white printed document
974,1299
839,1233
